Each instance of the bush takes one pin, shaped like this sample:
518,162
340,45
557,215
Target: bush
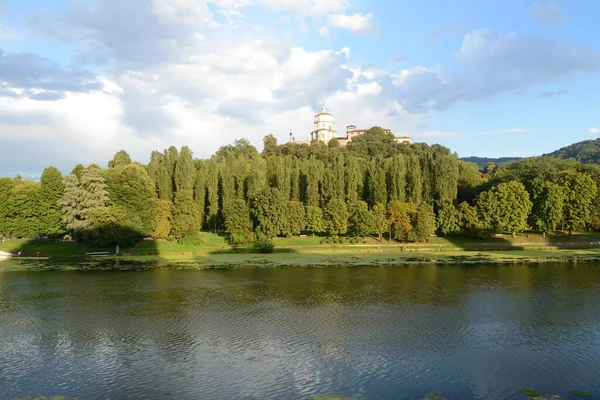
264,246
193,239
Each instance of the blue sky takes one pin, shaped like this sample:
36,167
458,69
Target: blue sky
80,80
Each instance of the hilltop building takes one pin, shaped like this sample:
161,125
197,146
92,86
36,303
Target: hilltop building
324,130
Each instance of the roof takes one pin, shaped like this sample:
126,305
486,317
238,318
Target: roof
366,130
401,137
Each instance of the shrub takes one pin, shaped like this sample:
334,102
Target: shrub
264,246
193,239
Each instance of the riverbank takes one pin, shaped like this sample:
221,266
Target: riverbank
307,252
301,260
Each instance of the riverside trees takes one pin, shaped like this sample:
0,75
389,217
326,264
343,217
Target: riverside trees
369,187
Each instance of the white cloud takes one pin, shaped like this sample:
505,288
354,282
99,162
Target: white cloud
491,63
324,31
594,130
355,23
546,12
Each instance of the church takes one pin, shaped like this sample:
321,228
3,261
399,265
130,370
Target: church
324,130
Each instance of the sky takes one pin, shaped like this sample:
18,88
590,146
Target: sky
83,79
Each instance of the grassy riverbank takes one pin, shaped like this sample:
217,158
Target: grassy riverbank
313,252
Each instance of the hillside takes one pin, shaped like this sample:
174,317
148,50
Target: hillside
482,161
585,152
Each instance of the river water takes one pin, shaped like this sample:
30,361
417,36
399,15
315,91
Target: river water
477,332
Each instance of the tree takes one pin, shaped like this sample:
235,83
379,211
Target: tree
80,196
314,219
109,226
23,210
505,207
119,159
295,219
269,146
6,185
334,144
268,209
447,220
52,189
238,222
580,191
361,221
423,223
400,219
186,216
467,219
335,216
130,187
380,220
162,220
548,203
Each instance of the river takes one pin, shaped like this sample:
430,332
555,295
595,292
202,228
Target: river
476,332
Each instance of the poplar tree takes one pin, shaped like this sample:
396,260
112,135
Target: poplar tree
6,185
360,220
335,217
49,209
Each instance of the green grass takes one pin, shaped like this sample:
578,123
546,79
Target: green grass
48,248
437,249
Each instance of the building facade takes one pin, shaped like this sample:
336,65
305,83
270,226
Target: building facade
324,130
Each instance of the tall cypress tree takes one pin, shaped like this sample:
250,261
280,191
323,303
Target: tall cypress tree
51,191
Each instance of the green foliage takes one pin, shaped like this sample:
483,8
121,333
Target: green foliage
162,220
448,219
380,220
81,195
400,219
361,221
314,219
423,223
120,158
269,146
295,219
548,203
6,185
52,188
505,207
335,217
238,222
186,216
529,393
130,187
23,210
467,219
109,226
585,152
268,210
262,245
191,239
580,191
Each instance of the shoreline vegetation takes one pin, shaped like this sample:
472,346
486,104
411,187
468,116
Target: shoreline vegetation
301,252
372,202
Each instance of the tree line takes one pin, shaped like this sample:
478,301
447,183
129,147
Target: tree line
373,186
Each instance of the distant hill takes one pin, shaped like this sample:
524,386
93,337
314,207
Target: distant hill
586,152
481,161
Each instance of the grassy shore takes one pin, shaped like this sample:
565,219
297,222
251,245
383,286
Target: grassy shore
310,251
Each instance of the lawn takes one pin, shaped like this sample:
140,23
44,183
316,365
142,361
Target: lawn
210,243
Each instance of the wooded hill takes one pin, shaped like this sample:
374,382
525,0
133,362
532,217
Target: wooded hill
483,161
586,152
371,186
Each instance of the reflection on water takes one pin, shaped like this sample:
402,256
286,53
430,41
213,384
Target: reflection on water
468,332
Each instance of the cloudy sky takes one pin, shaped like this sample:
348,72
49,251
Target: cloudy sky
82,79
